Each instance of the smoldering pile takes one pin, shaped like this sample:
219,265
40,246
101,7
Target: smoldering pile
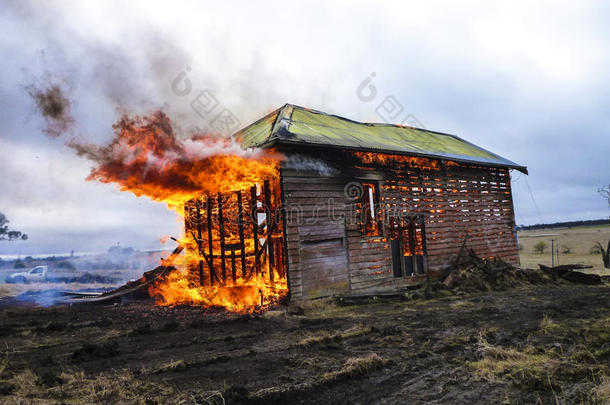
471,273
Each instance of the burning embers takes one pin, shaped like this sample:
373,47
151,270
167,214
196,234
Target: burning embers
228,198
235,251
397,161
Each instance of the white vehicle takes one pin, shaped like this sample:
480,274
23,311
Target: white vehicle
37,274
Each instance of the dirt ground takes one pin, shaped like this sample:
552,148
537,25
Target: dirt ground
535,345
573,244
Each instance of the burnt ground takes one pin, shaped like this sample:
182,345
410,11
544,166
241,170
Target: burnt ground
538,345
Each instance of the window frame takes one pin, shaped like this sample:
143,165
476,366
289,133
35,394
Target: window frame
374,215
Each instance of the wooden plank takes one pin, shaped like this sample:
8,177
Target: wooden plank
318,237
200,241
222,239
233,269
328,262
213,275
254,214
240,219
384,272
269,218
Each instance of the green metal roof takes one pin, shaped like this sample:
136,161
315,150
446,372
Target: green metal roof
291,124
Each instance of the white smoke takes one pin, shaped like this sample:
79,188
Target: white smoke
307,163
201,148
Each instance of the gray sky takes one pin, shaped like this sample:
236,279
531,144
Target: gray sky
527,80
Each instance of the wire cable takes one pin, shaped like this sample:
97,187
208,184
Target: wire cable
534,200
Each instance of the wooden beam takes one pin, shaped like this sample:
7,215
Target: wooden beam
269,214
422,224
240,223
213,274
221,231
233,272
411,234
254,213
199,239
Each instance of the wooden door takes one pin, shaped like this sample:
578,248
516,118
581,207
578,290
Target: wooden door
323,259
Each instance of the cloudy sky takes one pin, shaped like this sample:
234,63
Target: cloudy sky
527,80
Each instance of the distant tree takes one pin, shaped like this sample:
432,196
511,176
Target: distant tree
605,192
6,234
539,247
18,264
566,250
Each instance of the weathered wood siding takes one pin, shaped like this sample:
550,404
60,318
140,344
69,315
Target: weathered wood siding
327,252
315,234
460,201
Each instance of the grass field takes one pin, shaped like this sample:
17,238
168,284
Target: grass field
579,241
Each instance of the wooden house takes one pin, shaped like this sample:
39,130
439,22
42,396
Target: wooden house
369,208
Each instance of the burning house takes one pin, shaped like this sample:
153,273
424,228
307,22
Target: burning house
342,207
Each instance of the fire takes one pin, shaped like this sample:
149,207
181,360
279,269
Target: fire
146,158
368,158
257,293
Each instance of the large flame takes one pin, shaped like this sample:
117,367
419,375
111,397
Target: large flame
257,293
146,157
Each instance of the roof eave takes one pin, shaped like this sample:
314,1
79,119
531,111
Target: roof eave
276,141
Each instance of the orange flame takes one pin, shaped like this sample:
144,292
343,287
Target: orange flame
146,157
254,294
397,160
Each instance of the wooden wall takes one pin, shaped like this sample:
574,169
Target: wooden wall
315,234
328,254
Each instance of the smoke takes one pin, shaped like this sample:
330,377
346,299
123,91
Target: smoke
45,298
54,106
136,75
146,156
307,163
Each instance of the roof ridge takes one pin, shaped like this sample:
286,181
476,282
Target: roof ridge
384,124
280,125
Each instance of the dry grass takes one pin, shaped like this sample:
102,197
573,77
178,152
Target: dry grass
354,366
75,387
175,365
580,240
461,304
327,337
602,391
499,361
538,369
311,340
548,326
